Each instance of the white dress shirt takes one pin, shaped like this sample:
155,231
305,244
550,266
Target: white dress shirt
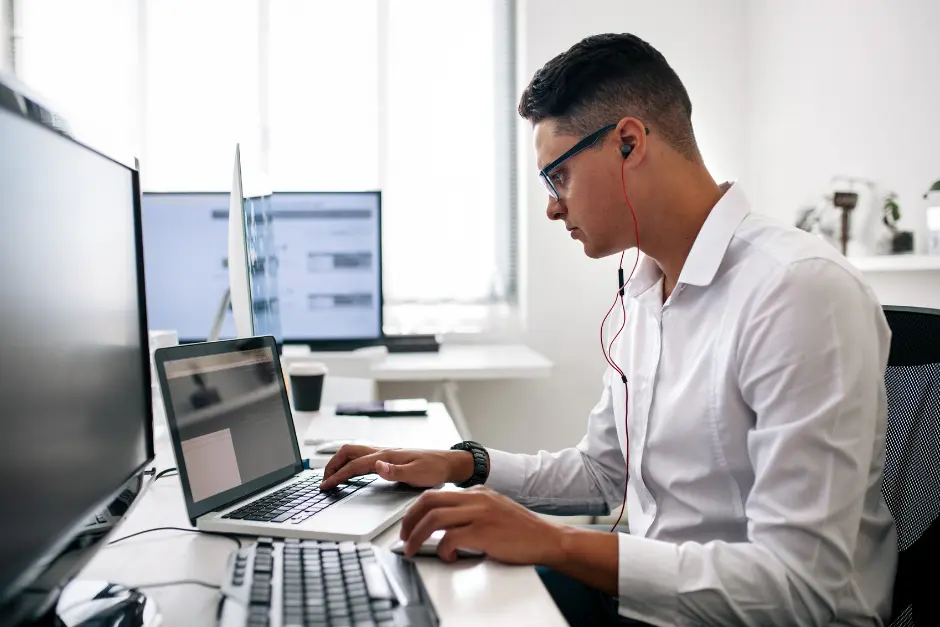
756,435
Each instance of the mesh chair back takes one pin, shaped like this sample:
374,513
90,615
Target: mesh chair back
912,466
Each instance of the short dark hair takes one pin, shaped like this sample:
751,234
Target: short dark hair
604,78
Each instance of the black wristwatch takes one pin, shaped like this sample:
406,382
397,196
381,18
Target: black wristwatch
481,463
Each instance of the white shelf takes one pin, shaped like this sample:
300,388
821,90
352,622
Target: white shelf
897,263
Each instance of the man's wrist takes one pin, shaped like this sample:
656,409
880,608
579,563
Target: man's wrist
584,554
461,466
561,547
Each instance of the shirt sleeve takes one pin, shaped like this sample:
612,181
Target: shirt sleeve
582,480
811,362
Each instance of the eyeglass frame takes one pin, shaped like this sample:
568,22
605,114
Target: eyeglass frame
583,144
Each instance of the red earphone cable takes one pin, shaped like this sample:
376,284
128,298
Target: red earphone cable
607,350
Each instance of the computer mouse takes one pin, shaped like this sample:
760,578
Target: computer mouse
429,547
331,447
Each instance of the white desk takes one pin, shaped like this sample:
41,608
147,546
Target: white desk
453,363
468,593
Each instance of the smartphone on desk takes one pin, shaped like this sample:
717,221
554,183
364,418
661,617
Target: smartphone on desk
385,409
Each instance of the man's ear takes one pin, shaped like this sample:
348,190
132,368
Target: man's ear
632,135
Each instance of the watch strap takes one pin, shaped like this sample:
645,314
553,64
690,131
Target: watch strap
481,463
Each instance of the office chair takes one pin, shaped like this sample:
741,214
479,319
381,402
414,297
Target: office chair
911,483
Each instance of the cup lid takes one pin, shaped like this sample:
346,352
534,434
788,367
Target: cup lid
306,368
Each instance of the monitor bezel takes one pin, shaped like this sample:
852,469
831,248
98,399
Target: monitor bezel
195,509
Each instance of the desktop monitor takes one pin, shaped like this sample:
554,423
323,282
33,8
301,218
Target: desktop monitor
323,253
77,428
330,252
199,245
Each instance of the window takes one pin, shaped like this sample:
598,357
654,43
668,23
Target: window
413,97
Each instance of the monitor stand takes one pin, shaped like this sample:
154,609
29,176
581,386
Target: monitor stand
89,603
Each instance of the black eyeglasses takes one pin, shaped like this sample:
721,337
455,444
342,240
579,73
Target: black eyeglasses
583,144
586,142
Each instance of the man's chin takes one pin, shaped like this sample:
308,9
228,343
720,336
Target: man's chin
593,252
597,252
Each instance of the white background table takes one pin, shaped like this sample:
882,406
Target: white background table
451,364
471,592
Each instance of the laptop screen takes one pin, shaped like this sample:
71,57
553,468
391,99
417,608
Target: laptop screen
231,424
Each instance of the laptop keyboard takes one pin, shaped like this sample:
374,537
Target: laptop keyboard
298,501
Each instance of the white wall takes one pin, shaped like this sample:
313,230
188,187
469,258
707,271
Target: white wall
847,87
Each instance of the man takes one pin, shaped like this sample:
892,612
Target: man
754,356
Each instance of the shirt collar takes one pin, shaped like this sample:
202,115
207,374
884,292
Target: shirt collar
709,246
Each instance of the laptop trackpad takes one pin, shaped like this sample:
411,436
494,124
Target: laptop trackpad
382,491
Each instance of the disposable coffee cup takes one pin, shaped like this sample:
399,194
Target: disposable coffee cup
306,385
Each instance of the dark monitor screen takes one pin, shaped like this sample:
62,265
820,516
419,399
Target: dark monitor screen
76,420
329,264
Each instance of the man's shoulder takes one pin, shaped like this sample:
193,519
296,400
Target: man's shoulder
770,249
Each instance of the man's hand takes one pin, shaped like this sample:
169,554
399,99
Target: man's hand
483,520
421,469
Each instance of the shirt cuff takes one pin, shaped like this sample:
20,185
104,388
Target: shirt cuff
507,473
648,574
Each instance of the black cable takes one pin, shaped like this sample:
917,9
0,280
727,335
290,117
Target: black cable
181,582
208,533
169,472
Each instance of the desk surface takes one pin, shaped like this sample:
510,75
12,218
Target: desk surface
435,431
467,593
456,362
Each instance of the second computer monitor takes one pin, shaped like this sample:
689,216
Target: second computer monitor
330,274
328,254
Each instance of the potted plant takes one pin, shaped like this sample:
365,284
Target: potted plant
901,241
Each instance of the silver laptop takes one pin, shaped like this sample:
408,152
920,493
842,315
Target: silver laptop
237,453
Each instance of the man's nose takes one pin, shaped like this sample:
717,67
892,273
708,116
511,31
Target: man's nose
556,209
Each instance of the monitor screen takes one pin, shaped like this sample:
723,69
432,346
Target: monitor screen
74,363
328,274
186,261
229,417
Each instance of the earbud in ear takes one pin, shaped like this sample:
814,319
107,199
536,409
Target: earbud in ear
625,150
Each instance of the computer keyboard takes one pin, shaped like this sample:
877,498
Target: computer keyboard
288,583
298,501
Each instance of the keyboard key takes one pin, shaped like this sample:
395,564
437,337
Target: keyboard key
381,604
376,583
260,594
356,590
